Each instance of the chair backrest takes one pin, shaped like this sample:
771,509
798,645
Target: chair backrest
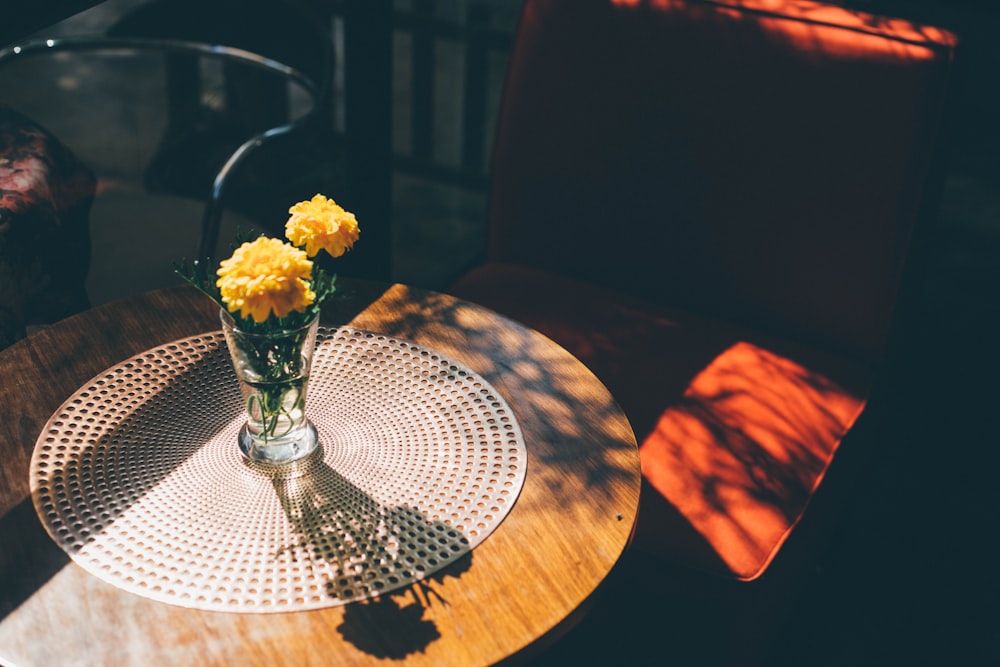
761,160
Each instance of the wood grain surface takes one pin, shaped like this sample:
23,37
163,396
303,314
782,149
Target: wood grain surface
513,594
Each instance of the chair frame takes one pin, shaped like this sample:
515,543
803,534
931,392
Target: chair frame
215,199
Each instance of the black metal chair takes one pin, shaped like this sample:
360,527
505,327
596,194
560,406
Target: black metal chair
248,100
251,165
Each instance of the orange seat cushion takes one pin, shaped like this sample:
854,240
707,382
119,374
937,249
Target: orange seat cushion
736,428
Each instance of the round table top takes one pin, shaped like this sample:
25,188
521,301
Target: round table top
516,590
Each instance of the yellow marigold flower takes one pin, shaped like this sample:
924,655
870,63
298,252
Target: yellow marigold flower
321,224
264,276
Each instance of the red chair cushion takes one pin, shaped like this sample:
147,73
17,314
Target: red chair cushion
736,429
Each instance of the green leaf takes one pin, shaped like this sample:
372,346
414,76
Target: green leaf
200,274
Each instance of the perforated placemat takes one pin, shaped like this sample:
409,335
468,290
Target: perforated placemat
139,479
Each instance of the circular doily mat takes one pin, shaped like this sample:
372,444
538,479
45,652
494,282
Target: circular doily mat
139,479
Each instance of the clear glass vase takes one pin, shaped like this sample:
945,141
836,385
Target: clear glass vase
273,372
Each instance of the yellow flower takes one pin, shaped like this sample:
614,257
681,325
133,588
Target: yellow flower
264,276
321,224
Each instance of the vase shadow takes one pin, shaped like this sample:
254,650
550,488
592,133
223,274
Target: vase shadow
378,559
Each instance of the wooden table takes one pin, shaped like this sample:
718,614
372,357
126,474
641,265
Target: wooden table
518,590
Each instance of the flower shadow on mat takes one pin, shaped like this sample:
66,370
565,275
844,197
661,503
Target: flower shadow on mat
373,557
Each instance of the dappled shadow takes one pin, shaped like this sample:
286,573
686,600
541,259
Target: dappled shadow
740,454
538,379
366,547
804,20
736,428
373,556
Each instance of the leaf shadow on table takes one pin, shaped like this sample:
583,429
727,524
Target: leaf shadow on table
401,628
539,379
380,560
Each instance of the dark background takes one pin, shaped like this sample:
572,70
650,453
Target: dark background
912,579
